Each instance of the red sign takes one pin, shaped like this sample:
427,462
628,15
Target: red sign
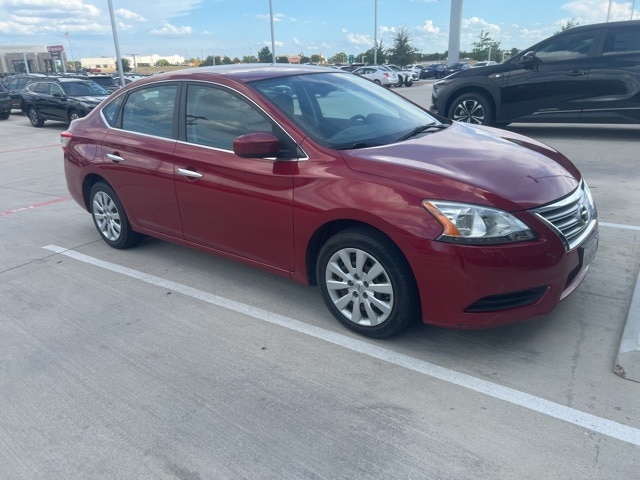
55,48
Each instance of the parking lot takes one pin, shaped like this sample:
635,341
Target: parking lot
161,362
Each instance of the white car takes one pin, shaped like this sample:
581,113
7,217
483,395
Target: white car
405,77
484,64
380,75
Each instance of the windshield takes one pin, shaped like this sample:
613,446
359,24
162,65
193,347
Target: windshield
83,89
342,111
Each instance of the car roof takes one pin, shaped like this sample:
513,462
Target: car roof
244,72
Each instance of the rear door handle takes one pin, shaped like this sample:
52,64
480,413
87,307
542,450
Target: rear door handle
189,173
115,158
576,73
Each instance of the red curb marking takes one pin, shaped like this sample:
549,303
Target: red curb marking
29,148
31,207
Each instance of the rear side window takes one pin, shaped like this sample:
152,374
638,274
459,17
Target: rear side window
110,112
622,40
150,110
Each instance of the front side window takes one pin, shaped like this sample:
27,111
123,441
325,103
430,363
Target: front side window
215,117
150,110
567,47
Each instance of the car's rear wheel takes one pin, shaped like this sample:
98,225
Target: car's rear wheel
73,115
366,283
34,117
110,218
377,81
400,81
408,82
5,115
471,108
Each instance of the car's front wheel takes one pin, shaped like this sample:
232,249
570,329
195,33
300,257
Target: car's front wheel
34,117
471,108
366,283
408,82
400,81
110,219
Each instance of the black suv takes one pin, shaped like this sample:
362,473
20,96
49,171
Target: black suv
62,99
588,74
5,103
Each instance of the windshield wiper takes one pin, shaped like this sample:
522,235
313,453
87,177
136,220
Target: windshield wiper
424,128
354,146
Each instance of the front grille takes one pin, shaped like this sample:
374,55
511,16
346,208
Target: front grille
573,218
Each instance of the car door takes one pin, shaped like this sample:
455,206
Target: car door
137,156
551,78
241,206
55,103
614,78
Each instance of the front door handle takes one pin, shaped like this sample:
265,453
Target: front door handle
115,158
189,173
576,73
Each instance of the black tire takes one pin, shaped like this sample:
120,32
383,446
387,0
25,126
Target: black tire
5,115
471,108
73,115
379,306
34,117
377,82
400,81
408,82
110,218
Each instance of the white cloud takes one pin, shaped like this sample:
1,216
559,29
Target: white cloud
129,15
595,11
429,27
359,39
169,30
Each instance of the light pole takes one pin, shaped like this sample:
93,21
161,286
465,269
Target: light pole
135,64
117,45
609,11
273,42
375,33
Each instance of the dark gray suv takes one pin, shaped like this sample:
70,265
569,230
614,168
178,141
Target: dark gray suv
587,74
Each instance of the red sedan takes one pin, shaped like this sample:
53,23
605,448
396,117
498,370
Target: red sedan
326,178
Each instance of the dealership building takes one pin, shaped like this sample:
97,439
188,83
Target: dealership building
32,58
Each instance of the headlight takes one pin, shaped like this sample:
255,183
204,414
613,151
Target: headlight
477,225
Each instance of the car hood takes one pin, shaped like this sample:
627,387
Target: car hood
473,164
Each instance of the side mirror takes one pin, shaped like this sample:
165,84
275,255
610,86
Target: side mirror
529,58
256,145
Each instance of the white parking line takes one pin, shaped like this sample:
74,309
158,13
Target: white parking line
591,422
618,225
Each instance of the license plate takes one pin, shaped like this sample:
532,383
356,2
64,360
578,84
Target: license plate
589,248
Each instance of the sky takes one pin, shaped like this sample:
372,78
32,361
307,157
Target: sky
235,28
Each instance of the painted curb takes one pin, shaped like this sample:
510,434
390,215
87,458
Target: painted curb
628,359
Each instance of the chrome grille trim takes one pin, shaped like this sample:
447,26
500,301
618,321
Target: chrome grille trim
573,217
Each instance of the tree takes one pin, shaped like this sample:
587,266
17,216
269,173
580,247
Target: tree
485,47
282,59
339,58
402,52
304,59
570,24
317,58
370,55
264,55
126,67
249,59
162,63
